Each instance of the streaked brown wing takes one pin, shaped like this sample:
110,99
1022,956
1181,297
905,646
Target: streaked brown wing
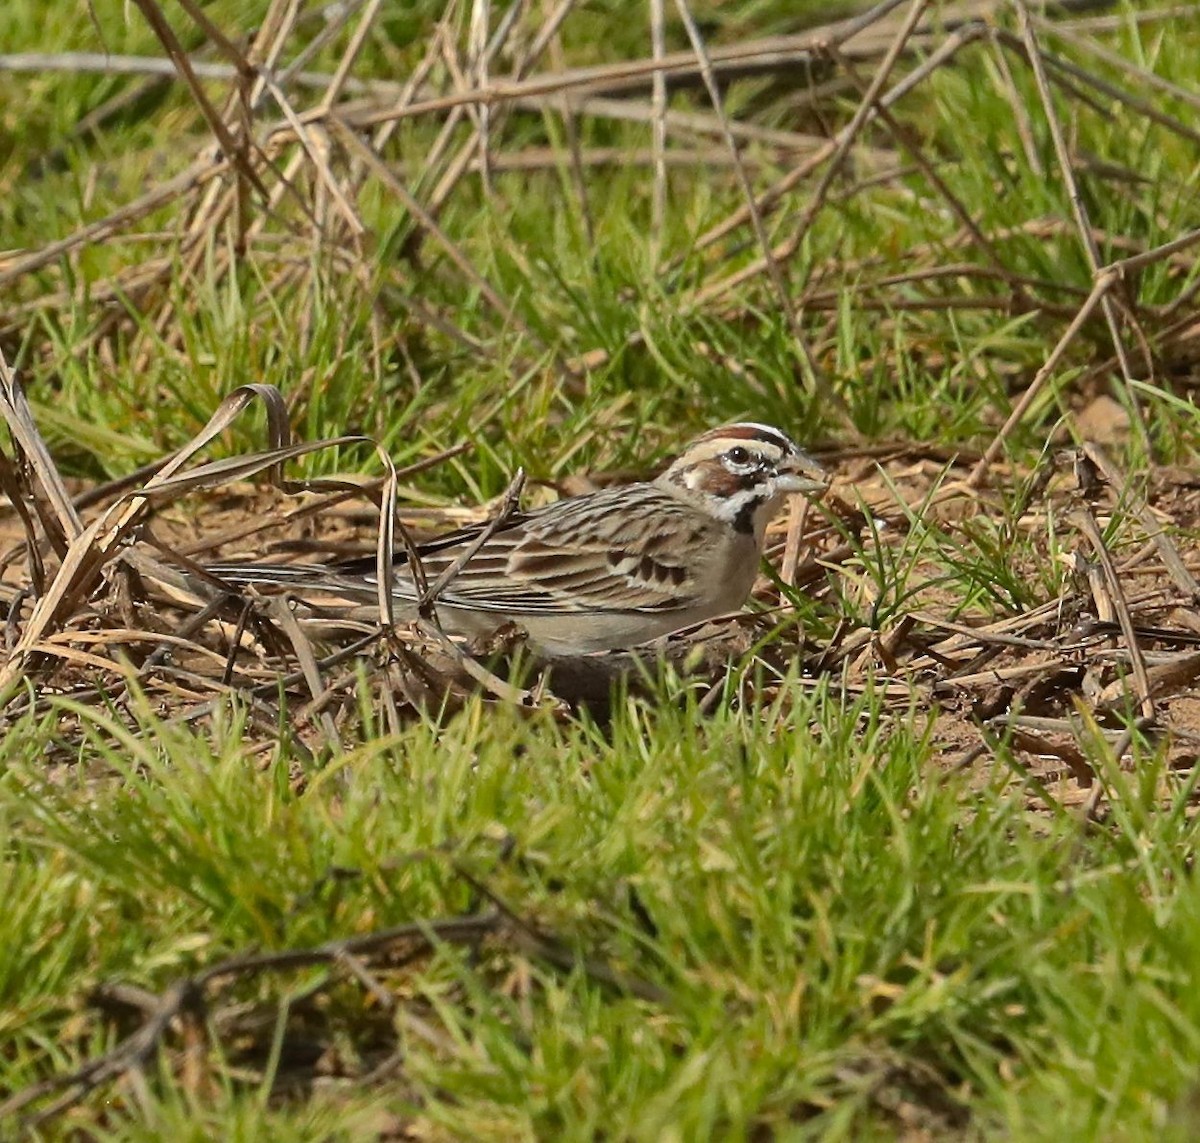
621,549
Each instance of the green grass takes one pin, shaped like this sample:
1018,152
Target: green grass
834,925
837,936
529,240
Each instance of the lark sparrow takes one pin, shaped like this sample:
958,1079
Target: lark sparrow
610,569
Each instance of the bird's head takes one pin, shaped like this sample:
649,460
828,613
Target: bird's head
742,473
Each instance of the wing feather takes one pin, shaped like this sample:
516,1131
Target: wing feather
615,550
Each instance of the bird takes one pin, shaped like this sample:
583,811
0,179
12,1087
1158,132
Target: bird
606,570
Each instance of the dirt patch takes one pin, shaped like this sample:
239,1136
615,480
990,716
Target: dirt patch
921,587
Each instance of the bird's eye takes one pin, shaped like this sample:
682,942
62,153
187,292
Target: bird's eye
739,455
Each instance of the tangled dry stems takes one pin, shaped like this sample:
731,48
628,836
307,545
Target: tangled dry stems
294,150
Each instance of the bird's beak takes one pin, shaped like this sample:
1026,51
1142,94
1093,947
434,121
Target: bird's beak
801,473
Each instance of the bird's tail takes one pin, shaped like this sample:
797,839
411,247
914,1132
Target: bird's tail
319,578
274,575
